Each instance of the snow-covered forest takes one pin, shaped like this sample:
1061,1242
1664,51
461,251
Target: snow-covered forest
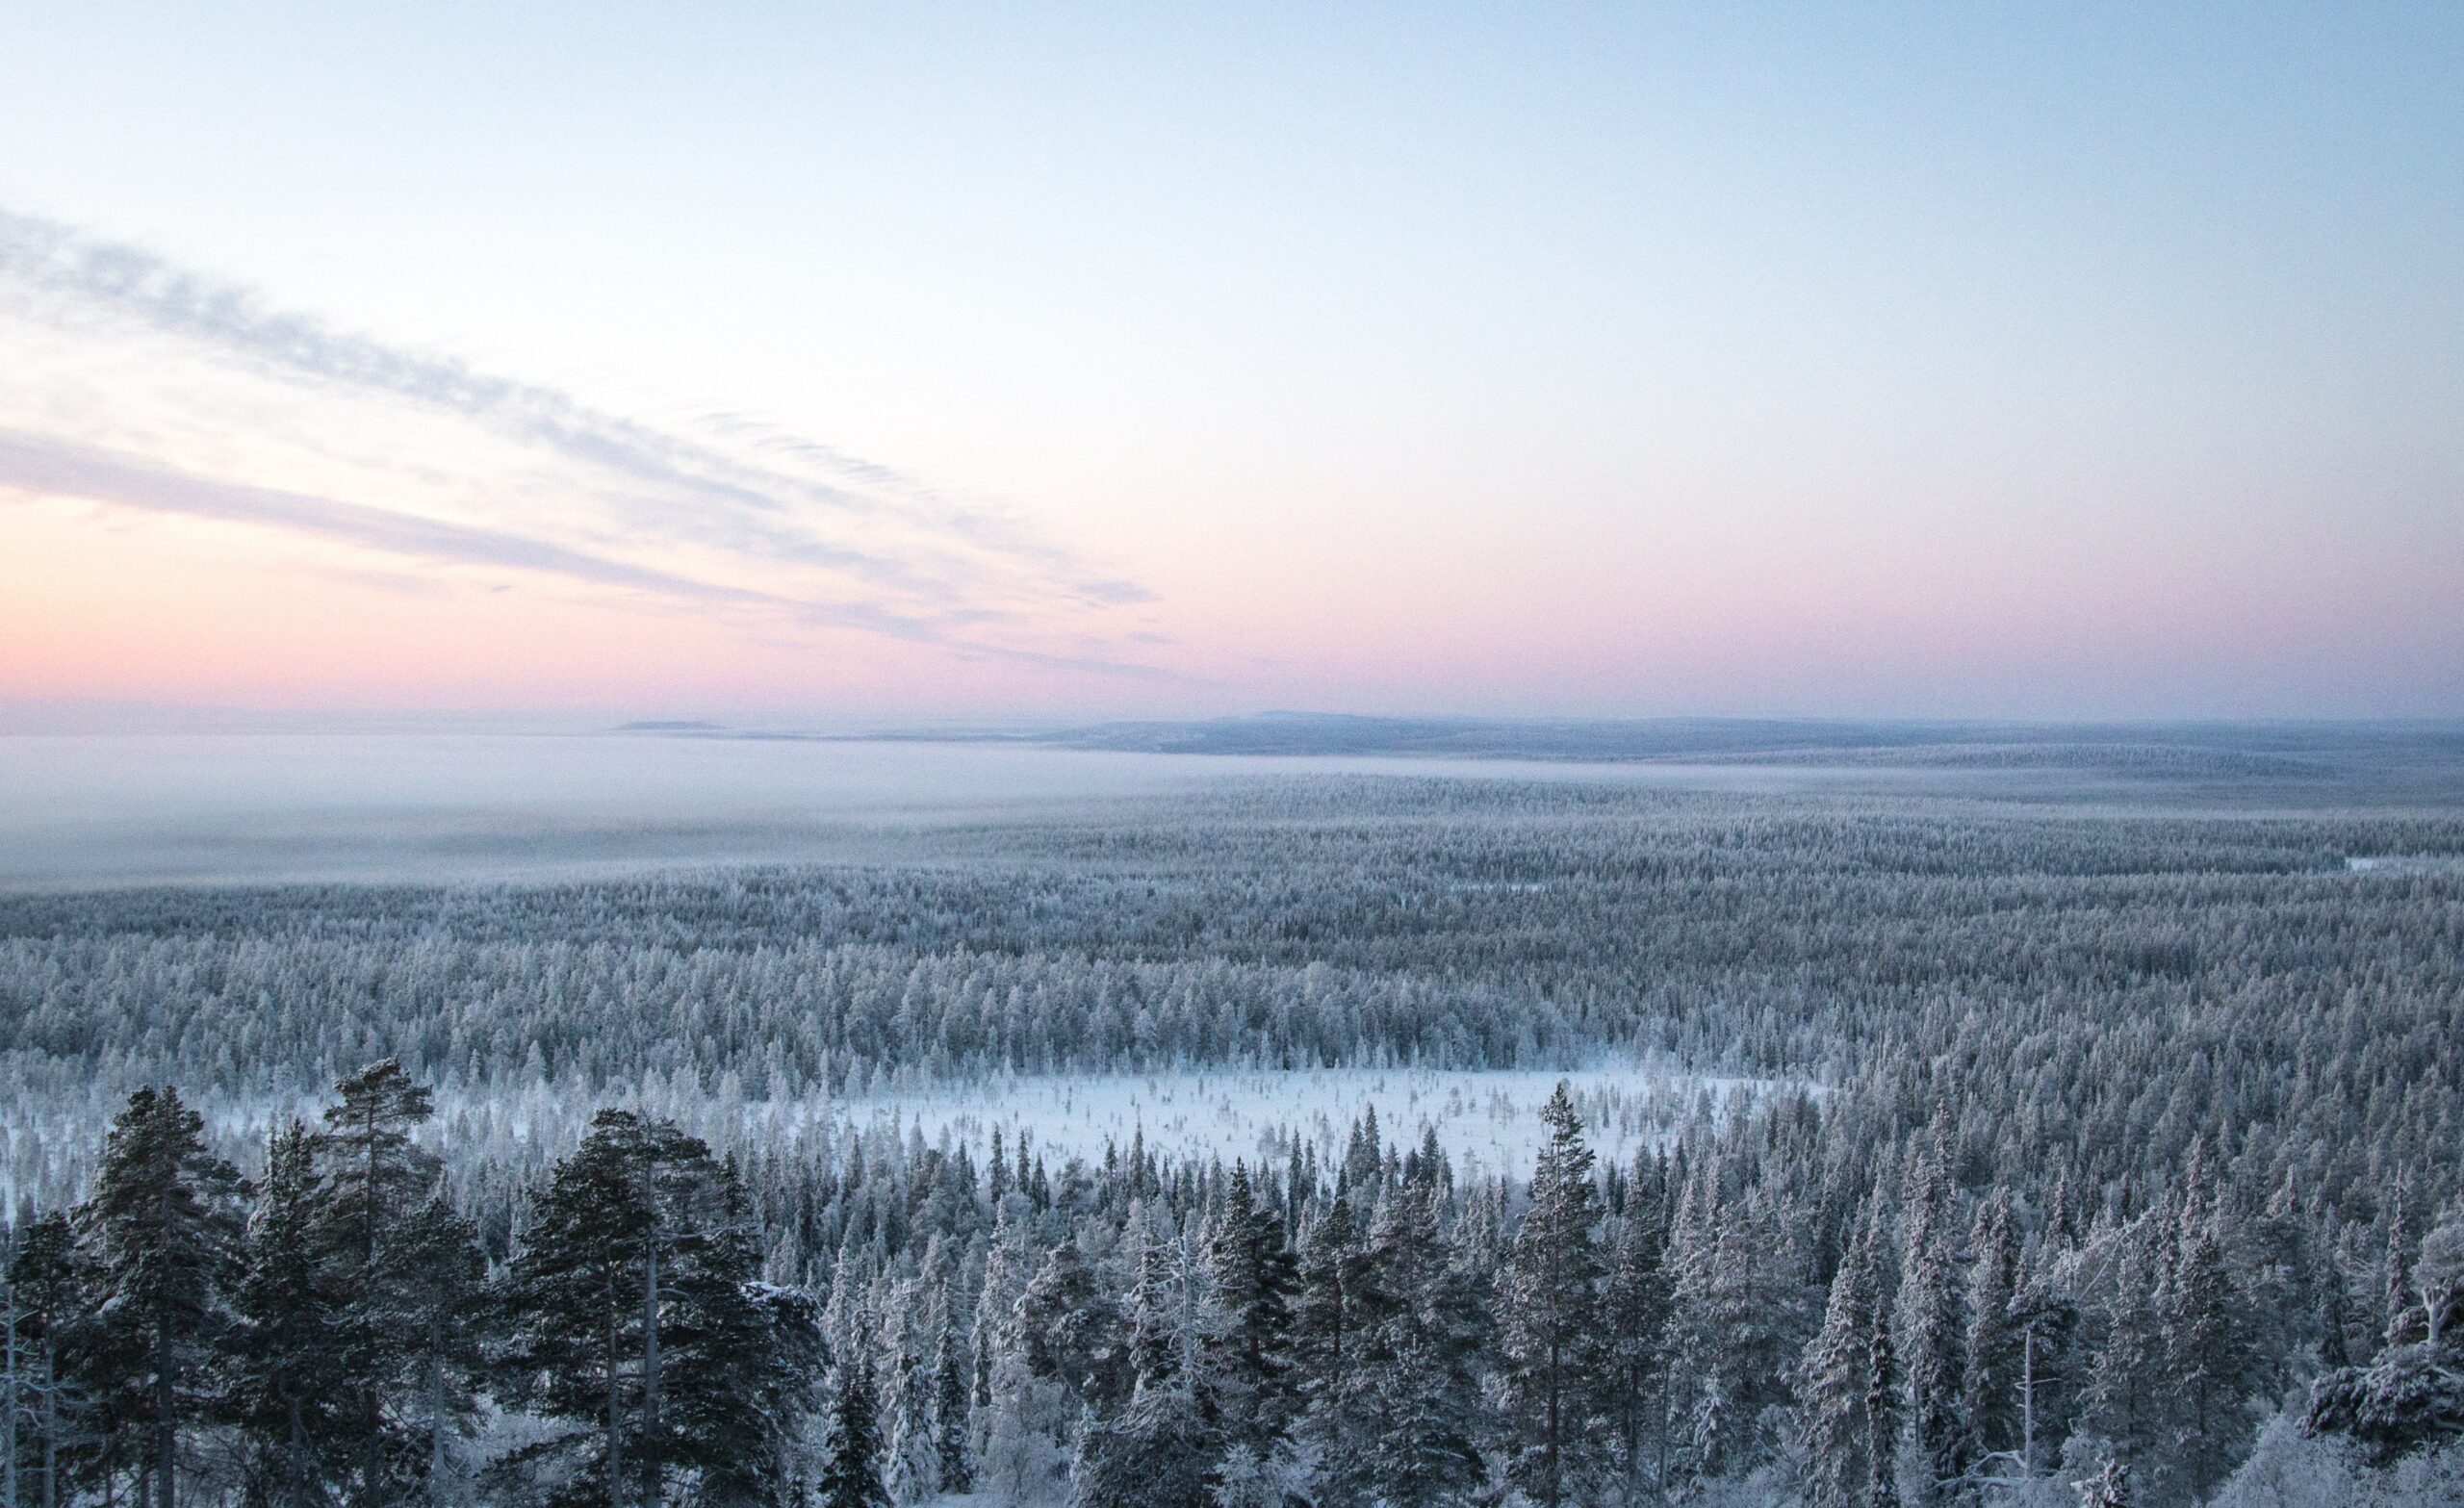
1996,1147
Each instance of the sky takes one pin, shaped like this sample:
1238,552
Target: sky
811,364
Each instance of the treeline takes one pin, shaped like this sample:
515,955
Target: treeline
1772,1307
333,1332
1937,947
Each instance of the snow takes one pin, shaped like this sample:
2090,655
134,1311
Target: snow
1486,1120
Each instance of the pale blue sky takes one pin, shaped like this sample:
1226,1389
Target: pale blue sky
1925,359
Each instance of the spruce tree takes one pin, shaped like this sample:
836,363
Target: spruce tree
1990,1365
1254,1280
289,1388
48,1304
162,1236
2207,1360
1736,1329
2109,1488
954,1459
904,1401
1929,1332
1157,1343
1847,1418
639,1319
1549,1320
1884,1411
1635,1309
853,1476
1414,1389
1327,1334
2126,1388
375,1178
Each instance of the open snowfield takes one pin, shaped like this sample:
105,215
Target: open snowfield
1484,1120
1487,1121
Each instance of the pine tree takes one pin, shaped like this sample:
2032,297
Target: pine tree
1413,1389
1848,1419
741,1357
447,1322
1071,1329
48,1303
1636,1310
1154,1455
1249,1356
853,1476
1016,1455
1549,1320
2207,1356
1930,1337
2126,1388
953,1460
1327,1334
288,1386
1993,1361
374,1180
639,1319
573,1294
2109,1488
162,1236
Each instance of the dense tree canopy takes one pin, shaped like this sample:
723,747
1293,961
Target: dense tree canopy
2112,1144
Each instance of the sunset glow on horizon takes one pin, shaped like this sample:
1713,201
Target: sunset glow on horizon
1897,361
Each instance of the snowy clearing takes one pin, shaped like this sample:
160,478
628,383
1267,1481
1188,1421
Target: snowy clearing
1487,1120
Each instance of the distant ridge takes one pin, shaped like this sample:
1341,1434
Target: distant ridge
2182,750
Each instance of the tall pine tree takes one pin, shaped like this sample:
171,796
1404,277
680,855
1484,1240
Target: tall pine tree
1549,1319
1254,1280
1634,1313
1847,1412
375,1181
289,1388
162,1234
1414,1389
1992,1363
1931,1331
853,1476
639,1319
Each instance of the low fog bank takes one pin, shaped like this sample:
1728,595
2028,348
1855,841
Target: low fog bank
116,810
242,808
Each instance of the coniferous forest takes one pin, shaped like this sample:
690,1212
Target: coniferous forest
2104,1144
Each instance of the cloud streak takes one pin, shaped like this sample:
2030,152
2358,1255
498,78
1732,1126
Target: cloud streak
38,467
744,500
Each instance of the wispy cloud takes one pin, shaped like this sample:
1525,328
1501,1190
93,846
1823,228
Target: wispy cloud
771,520
34,466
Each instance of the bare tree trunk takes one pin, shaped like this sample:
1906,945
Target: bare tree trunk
650,1376
2028,1404
167,1434
299,1458
50,1425
371,1418
615,1433
436,1409
1555,1375
9,1410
